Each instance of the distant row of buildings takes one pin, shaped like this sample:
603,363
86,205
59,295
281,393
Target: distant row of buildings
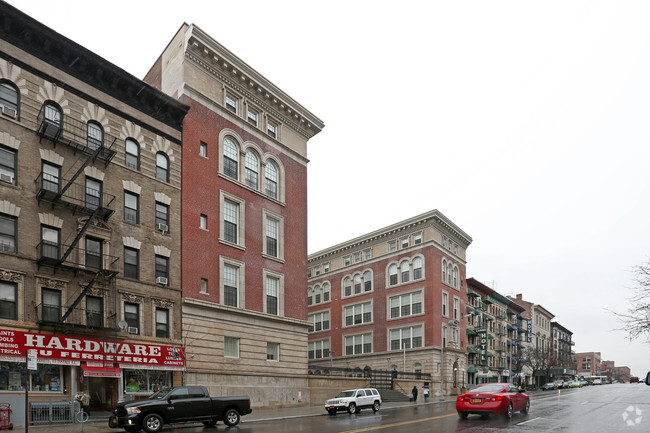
398,299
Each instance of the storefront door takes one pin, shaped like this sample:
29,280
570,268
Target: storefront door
103,392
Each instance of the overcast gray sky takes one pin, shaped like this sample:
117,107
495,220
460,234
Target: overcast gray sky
525,123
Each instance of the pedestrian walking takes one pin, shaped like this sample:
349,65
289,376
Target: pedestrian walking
414,391
425,390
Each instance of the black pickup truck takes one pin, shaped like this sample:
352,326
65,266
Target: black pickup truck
175,405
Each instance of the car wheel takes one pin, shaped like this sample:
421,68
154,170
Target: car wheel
508,413
526,406
231,417
332,412
352,408
133,429
152,423
375,406
462,415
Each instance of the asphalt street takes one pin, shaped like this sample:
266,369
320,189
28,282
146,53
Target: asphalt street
605,408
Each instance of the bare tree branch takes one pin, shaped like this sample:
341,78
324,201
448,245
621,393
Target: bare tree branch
636,320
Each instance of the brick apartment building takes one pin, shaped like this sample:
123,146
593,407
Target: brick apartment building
90,276
563,359
383,301
588,363
244,217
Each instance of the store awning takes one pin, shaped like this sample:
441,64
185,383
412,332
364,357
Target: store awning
472,350
101,371
471,369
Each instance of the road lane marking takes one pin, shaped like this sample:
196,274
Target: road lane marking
379,427
524,422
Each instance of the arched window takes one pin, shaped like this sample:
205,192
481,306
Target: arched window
417,268
52,113
405,270
449,271
392,274
455,277
9,99
367,281
132,158
309,296
357,284
317,295
326,292
230,158
444,271
162,167
95,135
271,179
252,169
347,286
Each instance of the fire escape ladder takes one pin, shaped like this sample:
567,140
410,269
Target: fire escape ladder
79,236
81,295
90,159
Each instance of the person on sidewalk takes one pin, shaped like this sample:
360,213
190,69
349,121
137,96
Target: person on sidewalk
414,391
425,390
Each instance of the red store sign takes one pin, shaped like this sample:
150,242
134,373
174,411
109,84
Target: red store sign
60,349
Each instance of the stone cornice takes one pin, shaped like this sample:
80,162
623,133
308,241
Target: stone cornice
234,72
433,216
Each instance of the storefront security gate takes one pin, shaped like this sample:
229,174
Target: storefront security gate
57,412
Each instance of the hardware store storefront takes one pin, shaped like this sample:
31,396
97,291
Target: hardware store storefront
108,371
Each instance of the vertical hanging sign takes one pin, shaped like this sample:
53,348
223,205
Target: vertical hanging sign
482,336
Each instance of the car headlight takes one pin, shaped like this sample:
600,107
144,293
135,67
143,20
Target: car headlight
132,410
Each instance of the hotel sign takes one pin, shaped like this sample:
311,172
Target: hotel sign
482,337
529,330
63,349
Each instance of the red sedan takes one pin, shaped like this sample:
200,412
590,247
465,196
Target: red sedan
500,398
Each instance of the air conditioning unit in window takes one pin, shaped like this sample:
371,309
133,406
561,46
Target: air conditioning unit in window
132,330
9,112
162,227
161,280
6,178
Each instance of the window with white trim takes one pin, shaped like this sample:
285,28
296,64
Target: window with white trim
319,349
252,169
272,129
230,285
231,347
231,103
232,220
445,304
357,314
271,175
406,338
319,321
456,308
273,235
272,351
405,305
358,344
230,158
252,116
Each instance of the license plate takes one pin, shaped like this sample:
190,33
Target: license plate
477,400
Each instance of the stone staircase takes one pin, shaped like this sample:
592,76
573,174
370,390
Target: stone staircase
390,395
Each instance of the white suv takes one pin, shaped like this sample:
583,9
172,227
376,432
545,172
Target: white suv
353,400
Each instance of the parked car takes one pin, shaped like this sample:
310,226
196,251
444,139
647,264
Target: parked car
575,384
597,382
634,379
175,405
353,400
499,398
560,384
549,386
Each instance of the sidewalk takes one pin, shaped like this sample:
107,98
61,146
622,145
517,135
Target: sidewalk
98,422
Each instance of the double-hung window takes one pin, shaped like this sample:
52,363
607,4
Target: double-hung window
358,344
231,103
50,242
8,100
230,158
162,267
8,300
8,233
272,229
406,338
131,263
7,165
131,205
230,285
272,288
132,158
252,166
162,323
319,349
273,351
162,167
252,117
272,129
162,217
51,177
132,317
94,312
271,179
51,305
231,347
95,137
319,321
231,221
94,254
405,305
93,193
